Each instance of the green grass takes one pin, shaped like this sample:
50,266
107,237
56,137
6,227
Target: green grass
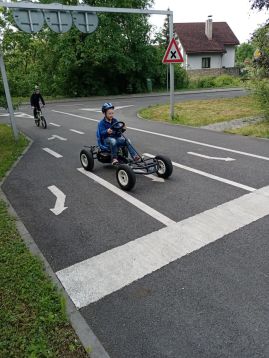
9,149
204,112
33,321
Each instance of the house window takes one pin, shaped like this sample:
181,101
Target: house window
206,62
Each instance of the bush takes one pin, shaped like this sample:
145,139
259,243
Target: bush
214,81
202,82
181,78
261,93
226,80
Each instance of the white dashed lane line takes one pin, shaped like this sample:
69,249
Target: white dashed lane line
210,176
75,131
55,154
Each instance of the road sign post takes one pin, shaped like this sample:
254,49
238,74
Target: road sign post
172,55
8,97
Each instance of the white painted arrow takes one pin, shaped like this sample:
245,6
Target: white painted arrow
56,136
23,115
17,114
227,159
60,199
154,178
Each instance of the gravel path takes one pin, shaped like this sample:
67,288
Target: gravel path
235,123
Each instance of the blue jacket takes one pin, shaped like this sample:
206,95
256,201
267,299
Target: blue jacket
102,134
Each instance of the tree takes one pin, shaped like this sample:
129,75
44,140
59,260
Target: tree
259,4
260,68
244,52
117,57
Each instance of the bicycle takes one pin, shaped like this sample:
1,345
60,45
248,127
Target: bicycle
40,118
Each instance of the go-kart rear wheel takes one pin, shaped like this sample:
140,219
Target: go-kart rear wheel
86,159
165,166
125,177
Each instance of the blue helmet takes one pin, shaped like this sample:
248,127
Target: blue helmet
107,106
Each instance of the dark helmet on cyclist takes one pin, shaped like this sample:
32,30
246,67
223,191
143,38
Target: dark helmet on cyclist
106,106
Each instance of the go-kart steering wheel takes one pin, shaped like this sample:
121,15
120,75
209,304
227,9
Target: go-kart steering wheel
118,126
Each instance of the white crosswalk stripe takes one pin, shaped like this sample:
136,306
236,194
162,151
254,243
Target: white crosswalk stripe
90,280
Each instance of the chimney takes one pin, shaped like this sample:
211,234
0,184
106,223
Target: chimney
208,27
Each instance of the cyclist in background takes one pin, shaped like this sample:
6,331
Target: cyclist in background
35,100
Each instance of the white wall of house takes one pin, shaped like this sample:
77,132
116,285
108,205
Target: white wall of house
194,62
228,58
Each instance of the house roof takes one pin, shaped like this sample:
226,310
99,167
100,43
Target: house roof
194,40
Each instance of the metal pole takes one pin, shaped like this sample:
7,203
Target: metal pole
167,80
171,30
8,97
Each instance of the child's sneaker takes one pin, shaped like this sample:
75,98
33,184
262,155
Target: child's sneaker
115,161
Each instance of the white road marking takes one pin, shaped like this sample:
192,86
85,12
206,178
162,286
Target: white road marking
17,114
91,280
55,125
56,136
75,131
139,204
227,159
154,178
211,176
76,115
22,115
56,155
178,138
99,111
60,200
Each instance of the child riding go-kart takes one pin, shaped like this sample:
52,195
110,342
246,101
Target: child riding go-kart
114,148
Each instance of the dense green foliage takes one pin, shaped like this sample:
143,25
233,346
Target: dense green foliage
259,68
117,58
243,53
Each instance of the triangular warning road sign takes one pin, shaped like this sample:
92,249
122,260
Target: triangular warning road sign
172,54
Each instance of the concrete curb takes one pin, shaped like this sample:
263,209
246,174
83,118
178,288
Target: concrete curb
86,336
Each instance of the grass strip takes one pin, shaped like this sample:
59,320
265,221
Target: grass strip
33,321
203,112
9,149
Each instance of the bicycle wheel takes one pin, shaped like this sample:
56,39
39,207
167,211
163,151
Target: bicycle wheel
43,122
37,122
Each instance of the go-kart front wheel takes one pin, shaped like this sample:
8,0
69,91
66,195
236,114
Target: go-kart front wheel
165,166
125,177
86,159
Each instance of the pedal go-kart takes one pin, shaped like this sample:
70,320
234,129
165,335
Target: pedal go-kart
127,168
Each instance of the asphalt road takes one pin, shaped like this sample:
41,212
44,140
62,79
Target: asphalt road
172,269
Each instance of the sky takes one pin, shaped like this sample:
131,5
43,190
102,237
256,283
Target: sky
237,13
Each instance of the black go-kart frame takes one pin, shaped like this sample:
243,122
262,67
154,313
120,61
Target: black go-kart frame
127,167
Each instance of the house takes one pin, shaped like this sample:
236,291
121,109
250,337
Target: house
207,47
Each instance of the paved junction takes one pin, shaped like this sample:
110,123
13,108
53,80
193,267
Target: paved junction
175,268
